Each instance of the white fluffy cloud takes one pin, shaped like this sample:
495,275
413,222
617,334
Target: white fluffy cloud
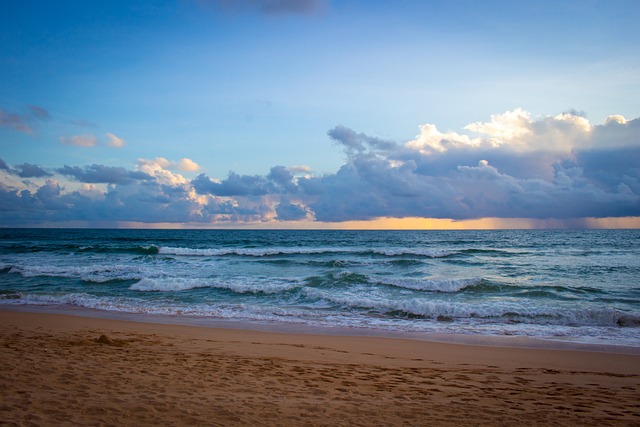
512,166
159,169
513,130
188,165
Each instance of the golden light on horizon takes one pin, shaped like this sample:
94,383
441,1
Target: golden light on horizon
488,223
378,224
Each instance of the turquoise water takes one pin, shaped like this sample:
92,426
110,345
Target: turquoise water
580,285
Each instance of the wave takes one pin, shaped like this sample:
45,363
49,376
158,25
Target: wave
200,310
429,253
237,285
92,273
255,252
438,285
493,252
166,285
262,252
137,250
505,312
377,313
76,248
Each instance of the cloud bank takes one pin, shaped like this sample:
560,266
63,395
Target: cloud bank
511,166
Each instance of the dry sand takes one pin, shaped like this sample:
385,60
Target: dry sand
58,370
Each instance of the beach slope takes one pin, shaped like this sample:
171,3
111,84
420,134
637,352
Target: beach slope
67,370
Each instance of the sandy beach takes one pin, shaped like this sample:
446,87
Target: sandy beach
67,370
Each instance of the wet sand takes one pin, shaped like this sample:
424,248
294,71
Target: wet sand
68,370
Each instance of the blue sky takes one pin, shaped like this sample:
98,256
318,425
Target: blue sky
281,112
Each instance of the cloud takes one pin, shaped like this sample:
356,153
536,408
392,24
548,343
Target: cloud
27,170
86,140
90,140
102,174
188,165
276,7
271,7
23,122
160,168
287,211
38,113
358,142
233,185
83,123
511,166
300,169
114,141
557,166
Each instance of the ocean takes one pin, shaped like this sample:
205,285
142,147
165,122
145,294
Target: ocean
569,285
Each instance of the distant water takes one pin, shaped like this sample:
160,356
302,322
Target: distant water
576,285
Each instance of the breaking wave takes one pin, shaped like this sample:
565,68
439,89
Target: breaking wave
237,285
431,285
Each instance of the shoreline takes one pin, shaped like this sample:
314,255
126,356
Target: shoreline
59,368
506,341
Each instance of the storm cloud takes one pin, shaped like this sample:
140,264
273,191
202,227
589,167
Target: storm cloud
512,166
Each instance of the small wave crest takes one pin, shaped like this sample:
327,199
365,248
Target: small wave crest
240,285
508,312
431,285
92,273
429,253
255,252
138,250
166,285
262,252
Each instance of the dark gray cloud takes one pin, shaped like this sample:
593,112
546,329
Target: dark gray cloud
279,180
282,178
234,185
358,142
27,170
287,211
102,174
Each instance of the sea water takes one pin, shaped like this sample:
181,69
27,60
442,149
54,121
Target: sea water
578,285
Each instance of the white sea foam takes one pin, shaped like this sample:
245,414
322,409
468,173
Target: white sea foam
238,285
476,312
243,285
167,285
90,273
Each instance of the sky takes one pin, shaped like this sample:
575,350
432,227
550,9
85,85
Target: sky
320,114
